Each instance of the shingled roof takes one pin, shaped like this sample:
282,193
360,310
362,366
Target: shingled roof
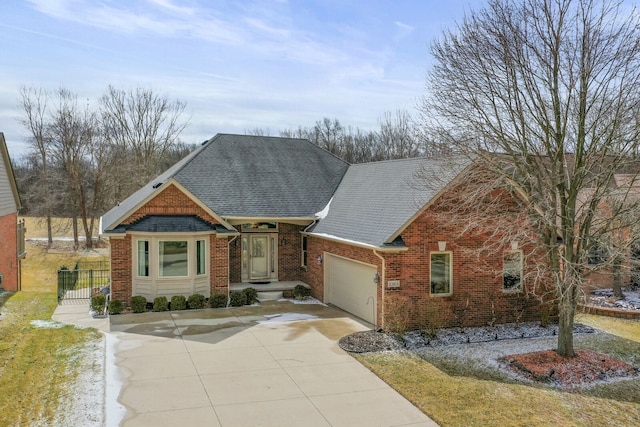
242,176
376,201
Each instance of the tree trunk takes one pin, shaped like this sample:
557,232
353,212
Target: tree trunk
567,310
49,231
76,244
617,278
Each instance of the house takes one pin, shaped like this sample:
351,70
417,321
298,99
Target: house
256,210
12,248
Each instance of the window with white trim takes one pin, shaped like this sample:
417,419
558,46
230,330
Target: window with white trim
173,258
143,258
441,273
512,271
201,257
304,251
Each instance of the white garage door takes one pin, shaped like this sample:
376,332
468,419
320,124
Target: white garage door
350,286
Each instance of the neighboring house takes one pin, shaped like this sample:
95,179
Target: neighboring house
12,248
253,209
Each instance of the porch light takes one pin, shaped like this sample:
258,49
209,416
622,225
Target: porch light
376,278
319,259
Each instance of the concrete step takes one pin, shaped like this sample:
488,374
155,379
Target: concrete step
269,296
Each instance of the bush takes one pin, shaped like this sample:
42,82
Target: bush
116,307
287,293
98,303
251,295
196,301
218,301
160,304
178,302
301,292
237,298
138,304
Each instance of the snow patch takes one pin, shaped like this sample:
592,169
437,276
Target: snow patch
286,318
307,300
340,239
47,324
324,212
114,411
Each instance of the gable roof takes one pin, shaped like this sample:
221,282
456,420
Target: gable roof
9,197
242,176
376,201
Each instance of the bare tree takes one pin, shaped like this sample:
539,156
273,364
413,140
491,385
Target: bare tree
397,137
74,133
545,96
33,102
140,126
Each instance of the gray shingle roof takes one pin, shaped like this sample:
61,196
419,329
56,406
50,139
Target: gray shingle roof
250,176
258,176
168,223
375,200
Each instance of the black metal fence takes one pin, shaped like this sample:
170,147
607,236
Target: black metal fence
87,278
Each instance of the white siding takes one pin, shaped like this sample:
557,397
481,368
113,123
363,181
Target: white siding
7,201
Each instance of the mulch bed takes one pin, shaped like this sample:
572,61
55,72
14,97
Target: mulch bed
585,368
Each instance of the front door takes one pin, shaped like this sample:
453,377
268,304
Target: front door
259,259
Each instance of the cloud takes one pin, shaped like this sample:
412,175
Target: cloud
403,30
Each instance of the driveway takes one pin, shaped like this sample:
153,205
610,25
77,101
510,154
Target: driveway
277,364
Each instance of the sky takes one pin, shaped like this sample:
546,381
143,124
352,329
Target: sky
238,65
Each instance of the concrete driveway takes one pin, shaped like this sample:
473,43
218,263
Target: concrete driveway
273,365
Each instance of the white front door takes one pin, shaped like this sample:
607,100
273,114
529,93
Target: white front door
259,257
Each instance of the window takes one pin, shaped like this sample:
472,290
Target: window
304,251
143,258
201,260
512,271
441,273
173,258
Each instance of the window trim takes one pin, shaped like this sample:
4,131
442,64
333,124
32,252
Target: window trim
147,255
520,286
201,263
304,247
450,254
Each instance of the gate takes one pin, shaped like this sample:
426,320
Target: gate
86,279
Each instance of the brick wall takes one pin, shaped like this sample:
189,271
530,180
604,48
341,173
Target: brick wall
121,268
477,297
289,251
9,264
170,201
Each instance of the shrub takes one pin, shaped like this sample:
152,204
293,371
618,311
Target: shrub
287,293
196,301
397,315
98,303
218,301
160,304
178,302
138,304
116,306
301,292
251,295
237,298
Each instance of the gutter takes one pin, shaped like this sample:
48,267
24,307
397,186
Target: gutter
383,280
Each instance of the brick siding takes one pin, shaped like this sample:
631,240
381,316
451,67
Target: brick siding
9,264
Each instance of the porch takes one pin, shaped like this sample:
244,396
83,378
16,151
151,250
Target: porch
268,290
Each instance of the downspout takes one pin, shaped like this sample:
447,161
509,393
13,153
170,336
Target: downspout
383,279
229,262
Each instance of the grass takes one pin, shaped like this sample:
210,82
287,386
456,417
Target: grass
458,394
60,227
38,365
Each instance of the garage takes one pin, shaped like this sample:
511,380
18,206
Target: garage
350,285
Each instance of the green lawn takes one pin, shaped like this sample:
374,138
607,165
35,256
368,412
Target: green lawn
38,365
454,394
